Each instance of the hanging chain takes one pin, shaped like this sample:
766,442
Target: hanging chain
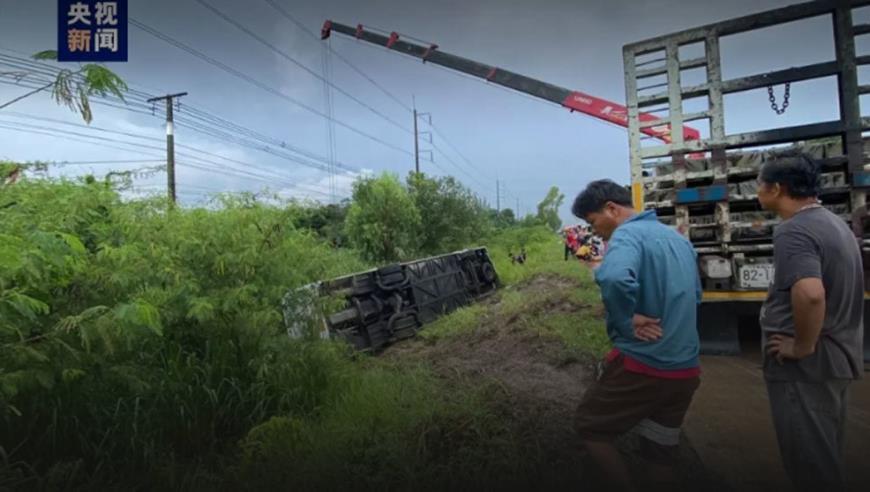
785,96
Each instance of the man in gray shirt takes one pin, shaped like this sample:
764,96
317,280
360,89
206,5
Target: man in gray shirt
812,323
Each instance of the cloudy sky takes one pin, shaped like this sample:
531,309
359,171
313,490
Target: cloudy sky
483,133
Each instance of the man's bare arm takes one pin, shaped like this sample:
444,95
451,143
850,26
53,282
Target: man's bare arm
808,308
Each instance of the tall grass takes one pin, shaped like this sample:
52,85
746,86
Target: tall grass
144,348
140,343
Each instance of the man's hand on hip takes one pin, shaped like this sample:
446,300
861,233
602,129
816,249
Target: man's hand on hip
782,347
646,328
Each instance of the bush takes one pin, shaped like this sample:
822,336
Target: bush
383,220
143,347
138,340
451,215
391,430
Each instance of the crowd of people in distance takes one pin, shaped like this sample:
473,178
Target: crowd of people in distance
581,243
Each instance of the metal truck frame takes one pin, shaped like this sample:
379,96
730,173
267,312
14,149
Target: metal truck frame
711,201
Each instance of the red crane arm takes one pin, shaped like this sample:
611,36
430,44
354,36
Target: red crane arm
573,100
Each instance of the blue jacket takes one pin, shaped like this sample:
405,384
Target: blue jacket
652,270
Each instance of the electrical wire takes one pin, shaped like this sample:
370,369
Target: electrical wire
259,84
296,62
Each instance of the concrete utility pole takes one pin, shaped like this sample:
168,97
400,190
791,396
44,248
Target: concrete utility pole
416,144
170,142
417,134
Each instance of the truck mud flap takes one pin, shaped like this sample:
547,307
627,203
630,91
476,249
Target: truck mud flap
375,308
718,329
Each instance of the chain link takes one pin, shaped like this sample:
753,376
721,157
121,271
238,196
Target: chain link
785,96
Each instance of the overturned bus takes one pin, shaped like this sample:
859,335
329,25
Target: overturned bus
374,308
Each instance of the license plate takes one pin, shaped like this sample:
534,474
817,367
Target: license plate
755,276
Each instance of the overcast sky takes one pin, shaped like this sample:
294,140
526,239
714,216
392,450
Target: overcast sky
527,144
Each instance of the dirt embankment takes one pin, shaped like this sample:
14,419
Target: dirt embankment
541,381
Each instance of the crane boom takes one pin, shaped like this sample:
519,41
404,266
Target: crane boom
573,100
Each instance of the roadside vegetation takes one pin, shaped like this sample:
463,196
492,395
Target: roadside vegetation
143,347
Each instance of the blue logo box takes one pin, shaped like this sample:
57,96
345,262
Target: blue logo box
92,30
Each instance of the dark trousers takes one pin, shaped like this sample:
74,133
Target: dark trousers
810,422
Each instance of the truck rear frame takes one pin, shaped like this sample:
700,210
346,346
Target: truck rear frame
711,200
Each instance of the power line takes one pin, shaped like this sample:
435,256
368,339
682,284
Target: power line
258,83
451,161
269,178
330,127
83,163
296,62
211,132
221,168
197,114
133,135
305,29
256,177
486,83
521,94
194,187
463,75
441,134
385,91
223,137
456,150
33,127
434,128
207,119
63,135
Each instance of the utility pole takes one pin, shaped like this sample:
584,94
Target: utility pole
497,197
417,133
517,211
416,144
170,142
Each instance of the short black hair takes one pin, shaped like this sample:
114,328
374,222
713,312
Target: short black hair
798,173
597,194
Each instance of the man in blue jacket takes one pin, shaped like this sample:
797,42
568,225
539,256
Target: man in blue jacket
650,287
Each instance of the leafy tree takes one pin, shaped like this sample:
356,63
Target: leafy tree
507,217
548,209
530,220
327,221
73,89
451,215
127,333
502,219
139,348
382,221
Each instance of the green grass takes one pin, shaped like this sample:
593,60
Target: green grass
394,427
461,321
145,349
582,329
583,334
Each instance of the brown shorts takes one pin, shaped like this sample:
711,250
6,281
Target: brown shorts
621,401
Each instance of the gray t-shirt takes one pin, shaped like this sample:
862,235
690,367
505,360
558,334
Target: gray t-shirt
817,243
